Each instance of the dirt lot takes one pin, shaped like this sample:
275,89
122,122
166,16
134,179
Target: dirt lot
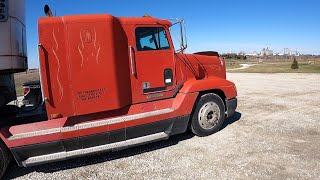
275,134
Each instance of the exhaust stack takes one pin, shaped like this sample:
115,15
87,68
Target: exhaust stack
47,11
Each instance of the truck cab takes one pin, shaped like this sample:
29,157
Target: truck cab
111,83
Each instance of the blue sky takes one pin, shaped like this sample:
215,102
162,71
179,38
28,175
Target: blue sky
224,26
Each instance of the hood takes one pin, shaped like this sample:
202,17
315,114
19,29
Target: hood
200,66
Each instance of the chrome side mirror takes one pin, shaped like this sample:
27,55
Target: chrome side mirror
183,35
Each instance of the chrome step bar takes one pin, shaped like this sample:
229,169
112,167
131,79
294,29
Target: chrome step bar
32,161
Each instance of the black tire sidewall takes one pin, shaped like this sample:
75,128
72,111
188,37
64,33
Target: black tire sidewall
4,159
195,126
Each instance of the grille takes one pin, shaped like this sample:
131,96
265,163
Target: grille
3,10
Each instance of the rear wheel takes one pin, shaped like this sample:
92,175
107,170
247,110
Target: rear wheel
208,115
4,158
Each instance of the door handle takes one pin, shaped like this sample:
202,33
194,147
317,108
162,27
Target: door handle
132,61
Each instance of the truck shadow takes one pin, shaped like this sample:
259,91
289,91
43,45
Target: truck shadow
14,171
234,118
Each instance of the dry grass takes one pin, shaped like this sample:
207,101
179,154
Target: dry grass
276,66
282,67
21,78
232,65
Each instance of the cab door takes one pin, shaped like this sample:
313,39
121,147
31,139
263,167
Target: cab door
152,64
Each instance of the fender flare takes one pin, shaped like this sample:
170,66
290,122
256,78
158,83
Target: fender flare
208,84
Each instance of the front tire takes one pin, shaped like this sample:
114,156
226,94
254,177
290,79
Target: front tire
208,116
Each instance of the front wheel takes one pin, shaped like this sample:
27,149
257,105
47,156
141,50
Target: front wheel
208,115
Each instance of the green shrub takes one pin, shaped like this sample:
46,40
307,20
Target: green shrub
295,64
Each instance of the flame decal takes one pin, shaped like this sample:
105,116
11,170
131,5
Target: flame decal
96,46
54,50
80,48
88,48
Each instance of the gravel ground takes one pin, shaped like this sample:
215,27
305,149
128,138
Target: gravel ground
274,135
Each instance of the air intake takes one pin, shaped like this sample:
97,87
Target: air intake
3,10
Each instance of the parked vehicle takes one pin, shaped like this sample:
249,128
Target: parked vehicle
13,49
32,93
111,83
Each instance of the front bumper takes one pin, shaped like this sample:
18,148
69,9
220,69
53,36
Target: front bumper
231,105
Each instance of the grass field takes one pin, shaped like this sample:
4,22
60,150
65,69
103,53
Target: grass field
232,65
276,67
21,78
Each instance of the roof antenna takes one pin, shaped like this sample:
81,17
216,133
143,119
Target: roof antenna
47,11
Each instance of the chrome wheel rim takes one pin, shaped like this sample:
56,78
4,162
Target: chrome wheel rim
209,115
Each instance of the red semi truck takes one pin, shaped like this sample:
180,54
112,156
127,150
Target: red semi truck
111,83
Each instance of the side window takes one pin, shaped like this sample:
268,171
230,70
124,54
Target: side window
151,38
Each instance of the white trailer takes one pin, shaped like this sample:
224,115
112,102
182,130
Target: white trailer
13,47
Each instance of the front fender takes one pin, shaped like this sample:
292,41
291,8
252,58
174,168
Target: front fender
211,83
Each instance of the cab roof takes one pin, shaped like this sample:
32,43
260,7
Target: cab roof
143,20
108,17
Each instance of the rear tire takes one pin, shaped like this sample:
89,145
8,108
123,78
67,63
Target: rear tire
4,158
208,115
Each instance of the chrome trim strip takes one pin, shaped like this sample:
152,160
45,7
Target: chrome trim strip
107,147
35,133
88,125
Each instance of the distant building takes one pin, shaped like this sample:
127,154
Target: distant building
288,52
266,52
251,54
